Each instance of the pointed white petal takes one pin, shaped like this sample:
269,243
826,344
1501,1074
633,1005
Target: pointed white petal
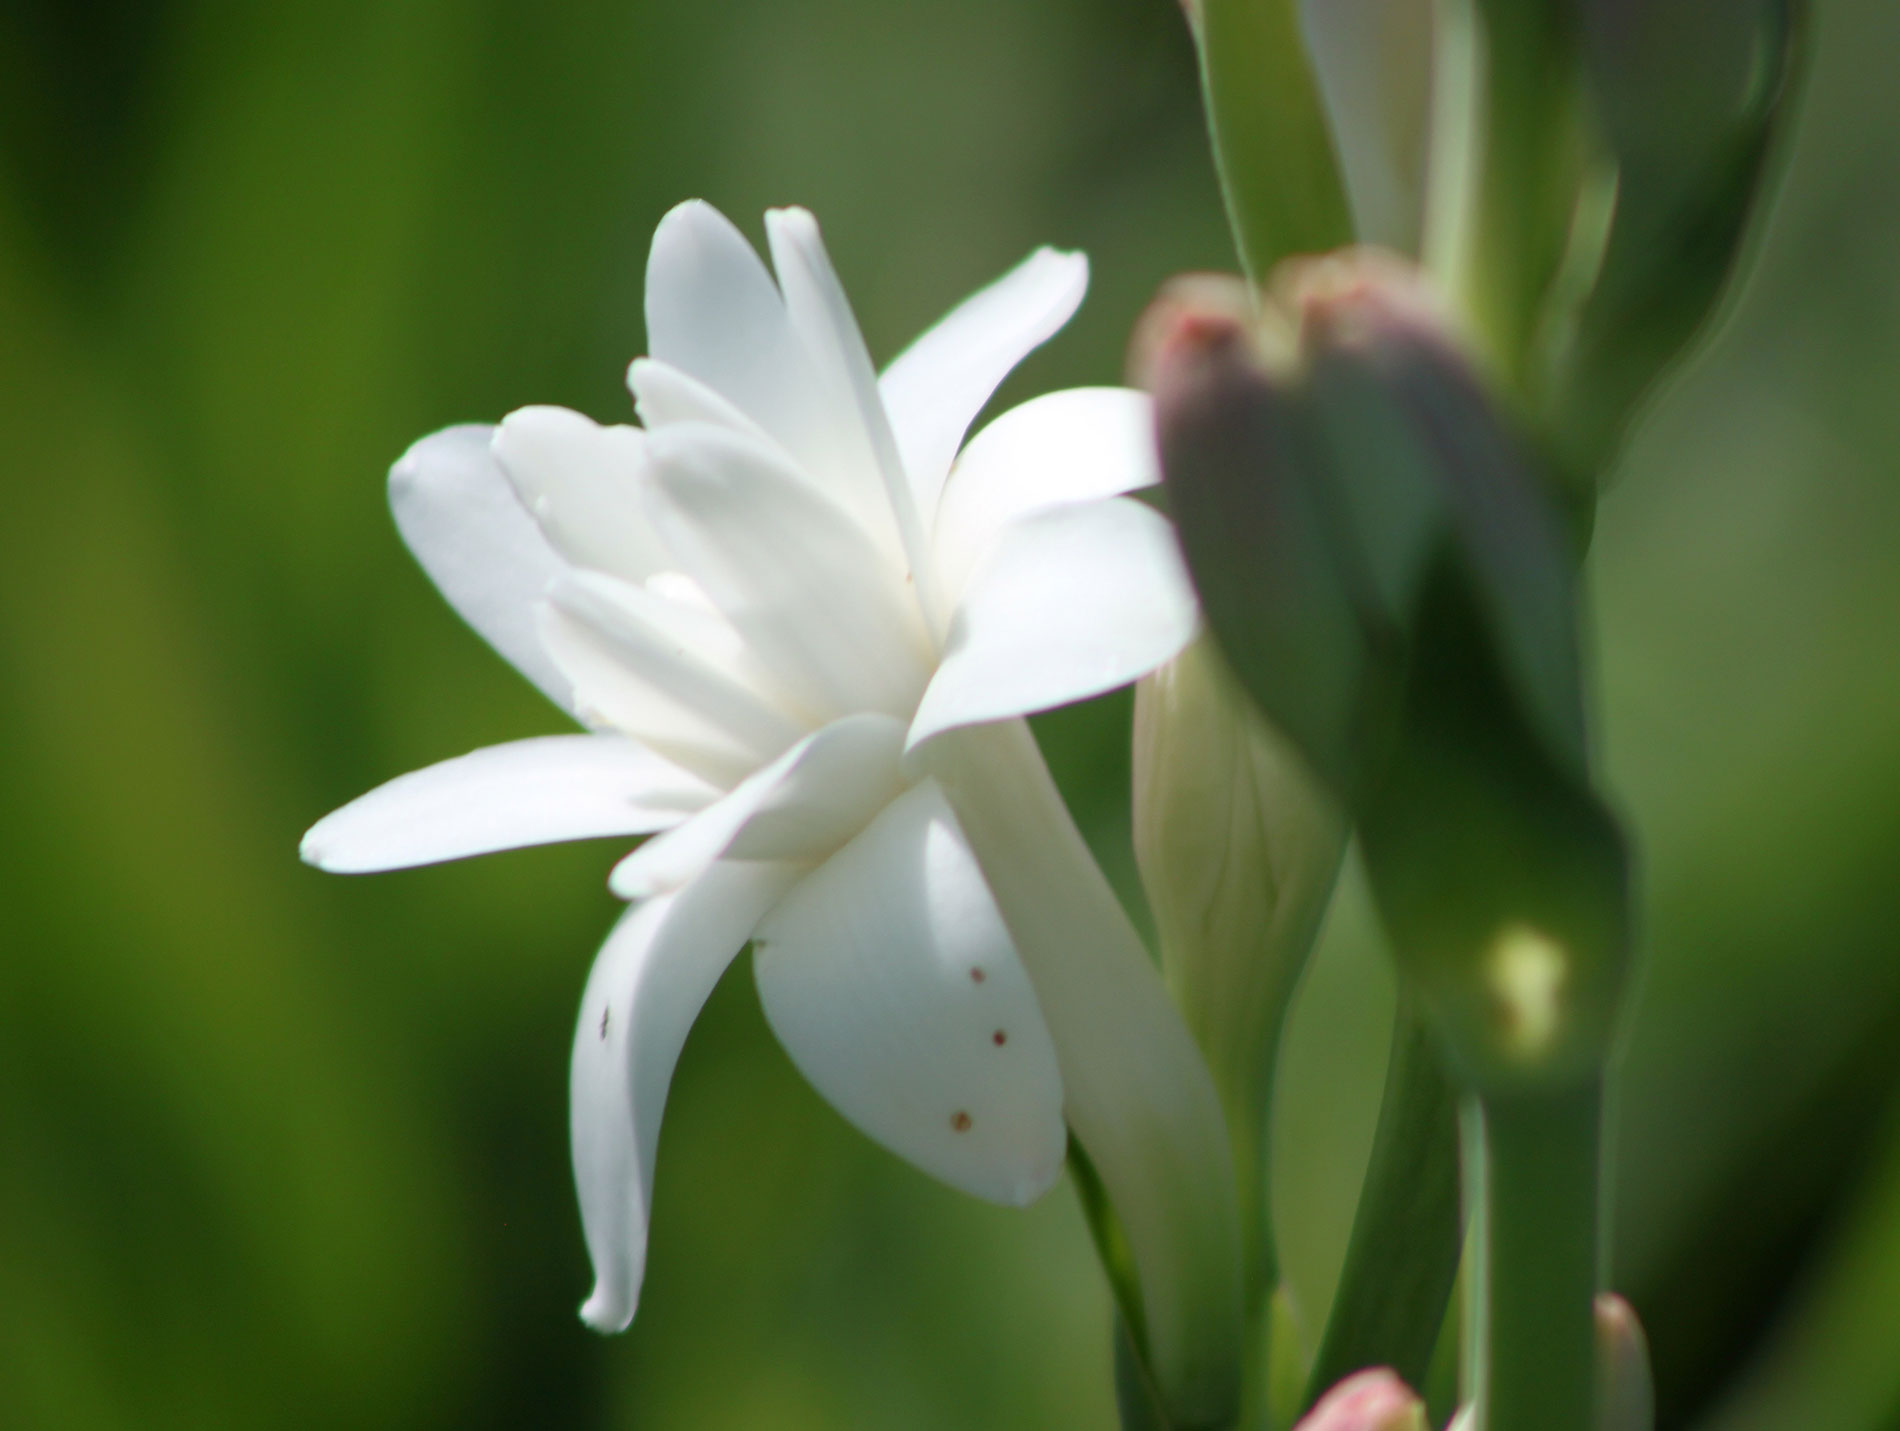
888,976
869,475
815,599
458,513
1071,446
1070,603
937,386
648,985
666,672
1374,63
581,482
662,394
714,313
802,806
529,792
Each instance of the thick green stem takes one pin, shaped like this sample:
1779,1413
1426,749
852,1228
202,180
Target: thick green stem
1402,1261
1542,1171
1272,147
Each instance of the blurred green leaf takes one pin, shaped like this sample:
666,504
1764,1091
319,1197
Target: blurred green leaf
1692,95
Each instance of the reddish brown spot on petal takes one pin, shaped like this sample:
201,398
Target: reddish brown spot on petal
960,1121
999,1038
977,975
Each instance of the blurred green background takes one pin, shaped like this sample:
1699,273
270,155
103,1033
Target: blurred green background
281,1150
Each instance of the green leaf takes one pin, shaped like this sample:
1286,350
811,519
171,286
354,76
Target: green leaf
1402,1261
1278,173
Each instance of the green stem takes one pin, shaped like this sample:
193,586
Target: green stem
1542,1156
1402,1261
1278,174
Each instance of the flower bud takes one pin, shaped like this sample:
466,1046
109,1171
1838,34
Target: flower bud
1322,464
1626,1395
1381,562
1238,848
1374,1400
1250,497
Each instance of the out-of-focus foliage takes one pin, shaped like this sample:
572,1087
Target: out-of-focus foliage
282,1150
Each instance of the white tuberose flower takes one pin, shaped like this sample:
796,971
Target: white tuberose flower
762,605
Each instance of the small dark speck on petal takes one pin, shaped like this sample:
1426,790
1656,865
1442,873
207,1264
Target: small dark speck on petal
960,1121
999,1038
977,975
605,1014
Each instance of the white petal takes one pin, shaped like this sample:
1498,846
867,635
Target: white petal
1136,1092
648,985
714,313
1070,603
888,976
666,672
662,394
816,600
1071,446
458,513
937,386
869,474
802,806
530,792
1374,63
581,482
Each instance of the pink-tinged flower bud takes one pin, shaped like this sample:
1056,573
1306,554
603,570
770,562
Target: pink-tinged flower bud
1374,1400
1380,559
1626,1394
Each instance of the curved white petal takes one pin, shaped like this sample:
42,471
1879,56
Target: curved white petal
581,482
1071,446
818,602
1374,63
867,473
529,792
1070,603
891,981
937,386
458,513
649,983
802,806
662,394
669,673
714,313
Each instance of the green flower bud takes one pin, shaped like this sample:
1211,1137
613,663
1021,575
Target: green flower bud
1238,848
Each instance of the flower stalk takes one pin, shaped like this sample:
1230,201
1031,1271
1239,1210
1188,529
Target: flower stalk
1542,1156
